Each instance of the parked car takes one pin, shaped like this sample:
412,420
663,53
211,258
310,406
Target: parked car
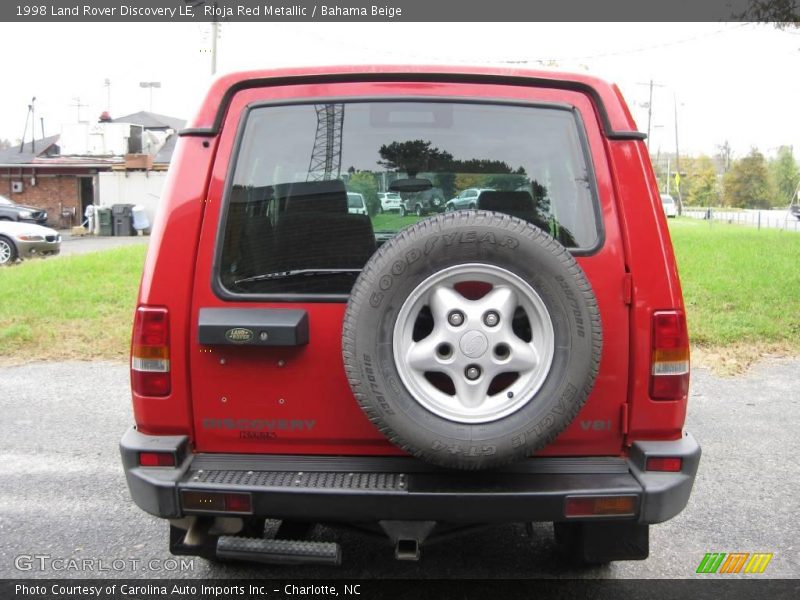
466,199
795,210
668,203
390,201
356,204
10,211
476,368
26,240
426,202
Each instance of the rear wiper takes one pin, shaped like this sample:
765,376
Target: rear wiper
296,273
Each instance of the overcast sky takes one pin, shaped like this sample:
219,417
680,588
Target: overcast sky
734,82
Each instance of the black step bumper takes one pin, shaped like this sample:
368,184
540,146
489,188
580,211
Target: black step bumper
328,488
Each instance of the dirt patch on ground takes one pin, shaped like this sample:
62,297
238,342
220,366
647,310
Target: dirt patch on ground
736,359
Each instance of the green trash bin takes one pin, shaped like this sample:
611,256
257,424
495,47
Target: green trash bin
104,221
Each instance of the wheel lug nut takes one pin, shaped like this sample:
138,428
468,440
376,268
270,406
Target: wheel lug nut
472,373
455,318
491,318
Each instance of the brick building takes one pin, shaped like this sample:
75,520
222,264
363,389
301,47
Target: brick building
61,173
36,175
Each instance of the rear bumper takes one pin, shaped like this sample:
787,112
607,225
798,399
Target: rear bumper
328,488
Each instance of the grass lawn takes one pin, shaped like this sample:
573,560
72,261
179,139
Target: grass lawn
741,286
77,307
742,290
392,221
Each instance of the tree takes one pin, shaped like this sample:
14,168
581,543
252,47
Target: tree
364,183
785,175
4,144
781,13
747,184
725,156
414,156
701,182
471,180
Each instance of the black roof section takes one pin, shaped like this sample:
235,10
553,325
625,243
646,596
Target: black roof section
13,156
164,155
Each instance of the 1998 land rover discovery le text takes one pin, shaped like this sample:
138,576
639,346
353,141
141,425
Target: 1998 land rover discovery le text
523,361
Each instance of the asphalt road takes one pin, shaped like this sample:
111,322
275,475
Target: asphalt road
63,494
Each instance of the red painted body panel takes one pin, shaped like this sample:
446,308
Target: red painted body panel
308,384
656,285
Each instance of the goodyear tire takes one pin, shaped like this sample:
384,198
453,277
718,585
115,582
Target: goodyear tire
471,339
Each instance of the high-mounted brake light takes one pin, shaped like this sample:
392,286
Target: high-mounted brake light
150,375
669,370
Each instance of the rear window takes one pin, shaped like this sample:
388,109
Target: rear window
355,201
287,225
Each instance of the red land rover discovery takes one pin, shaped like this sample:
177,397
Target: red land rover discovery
526,360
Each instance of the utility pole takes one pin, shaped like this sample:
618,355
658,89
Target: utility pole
668,174
677,157
214,30
651,84
32,120
214,36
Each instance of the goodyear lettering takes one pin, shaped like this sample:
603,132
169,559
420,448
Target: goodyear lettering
430,244
469,237
448,238
399,267
413,256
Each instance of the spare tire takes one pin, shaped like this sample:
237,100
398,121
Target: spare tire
471,339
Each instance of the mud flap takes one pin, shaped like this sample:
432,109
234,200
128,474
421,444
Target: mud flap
598,543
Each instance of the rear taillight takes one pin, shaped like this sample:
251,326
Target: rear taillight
669,370
150,352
